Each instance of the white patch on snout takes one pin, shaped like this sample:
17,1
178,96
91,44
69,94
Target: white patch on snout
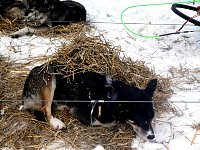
150,133
140,132
56,123
143,134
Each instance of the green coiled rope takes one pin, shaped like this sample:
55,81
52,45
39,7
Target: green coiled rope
146,5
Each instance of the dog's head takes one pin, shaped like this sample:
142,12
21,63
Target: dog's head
143,112
40,11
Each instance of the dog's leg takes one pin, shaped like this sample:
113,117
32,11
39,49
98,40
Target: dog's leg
27,30
22,32
48,93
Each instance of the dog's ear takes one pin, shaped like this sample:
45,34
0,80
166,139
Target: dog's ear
151,87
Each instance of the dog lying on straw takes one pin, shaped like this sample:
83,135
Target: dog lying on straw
92,98
44,13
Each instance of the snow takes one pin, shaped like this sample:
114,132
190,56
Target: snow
174,56
18,49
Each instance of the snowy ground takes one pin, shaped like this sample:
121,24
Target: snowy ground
174,56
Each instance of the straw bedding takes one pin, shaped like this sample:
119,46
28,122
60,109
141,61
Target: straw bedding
7,27
96,54
20,130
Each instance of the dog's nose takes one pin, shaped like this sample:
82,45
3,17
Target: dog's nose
150,137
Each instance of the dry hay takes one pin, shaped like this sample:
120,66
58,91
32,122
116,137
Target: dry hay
10,84
20,129
7,27
98,55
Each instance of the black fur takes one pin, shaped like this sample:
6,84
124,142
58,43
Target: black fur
60,12
94,86
82,92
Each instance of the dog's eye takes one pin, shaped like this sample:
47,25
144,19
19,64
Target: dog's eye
144,123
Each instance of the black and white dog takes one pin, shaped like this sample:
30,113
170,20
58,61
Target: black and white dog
92,98
44,13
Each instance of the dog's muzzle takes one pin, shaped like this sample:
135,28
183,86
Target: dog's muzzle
148,134
143,133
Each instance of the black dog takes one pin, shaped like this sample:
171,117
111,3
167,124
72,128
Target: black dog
44,13
91,97
56,12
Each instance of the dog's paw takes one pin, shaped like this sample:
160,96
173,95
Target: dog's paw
99,147
56,123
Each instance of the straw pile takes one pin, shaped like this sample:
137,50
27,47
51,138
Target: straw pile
96,54
20,129
10,85
7,27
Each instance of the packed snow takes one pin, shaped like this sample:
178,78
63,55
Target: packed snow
174,56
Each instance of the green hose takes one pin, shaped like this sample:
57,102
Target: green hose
144,5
